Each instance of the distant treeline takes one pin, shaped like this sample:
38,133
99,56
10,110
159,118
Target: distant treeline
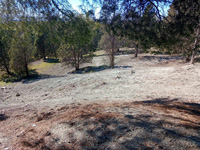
40,29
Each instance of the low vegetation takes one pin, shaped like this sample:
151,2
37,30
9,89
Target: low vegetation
131,86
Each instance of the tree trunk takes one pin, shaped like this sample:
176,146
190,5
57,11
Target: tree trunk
43,47
192,57
75,61
43,53
78,61
187,59
27,72
26,67
26,63
55,54
6,67
5,64
112,62
195,44
112,59
136,50
77,67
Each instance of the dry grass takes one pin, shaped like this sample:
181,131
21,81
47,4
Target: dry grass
156,124
54,123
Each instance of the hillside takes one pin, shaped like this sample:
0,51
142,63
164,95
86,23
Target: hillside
149,102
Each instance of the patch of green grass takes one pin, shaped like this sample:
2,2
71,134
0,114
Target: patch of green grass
99,53
3,83
41,67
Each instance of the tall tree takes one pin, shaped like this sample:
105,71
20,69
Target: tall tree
141,19
4,59
184,23
111,18
77,37
21,50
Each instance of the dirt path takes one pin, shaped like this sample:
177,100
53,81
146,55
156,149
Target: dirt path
161,91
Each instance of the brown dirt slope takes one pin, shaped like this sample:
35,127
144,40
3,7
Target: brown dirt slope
154,124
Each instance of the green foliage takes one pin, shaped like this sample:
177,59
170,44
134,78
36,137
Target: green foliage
21,50
5,40
142,27
106,42
76,40
182,28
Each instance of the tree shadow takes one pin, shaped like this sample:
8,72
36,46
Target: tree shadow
3,117
120,52
173,104
34,76
197,60
158,101
125,52
93,69
38,77
144,131
52,60
95,126
162,58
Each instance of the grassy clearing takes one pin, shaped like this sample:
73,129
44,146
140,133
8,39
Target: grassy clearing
37,67
41,67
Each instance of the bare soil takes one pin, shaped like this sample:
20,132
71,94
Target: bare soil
149,102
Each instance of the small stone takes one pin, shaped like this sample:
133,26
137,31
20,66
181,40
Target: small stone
3,88
47,133
118,77
132,71
17,94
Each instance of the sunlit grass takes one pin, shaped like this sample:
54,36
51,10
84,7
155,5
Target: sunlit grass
99,53
4,83
41,67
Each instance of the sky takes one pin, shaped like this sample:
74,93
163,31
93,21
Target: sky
75,4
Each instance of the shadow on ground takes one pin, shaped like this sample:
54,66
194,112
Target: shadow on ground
34,77
138,125
120,52
52,60
197,60
38,77
161,58
125,52
3,117
92,69
173,104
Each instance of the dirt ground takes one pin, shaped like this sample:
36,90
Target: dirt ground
149,102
